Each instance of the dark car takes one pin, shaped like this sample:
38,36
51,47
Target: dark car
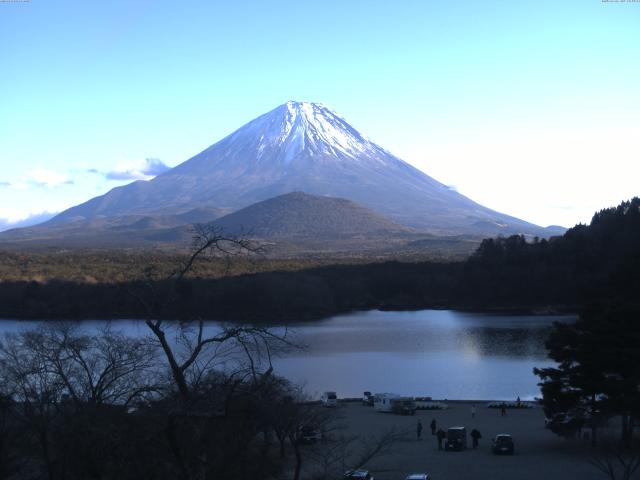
556,418
564,424
502,444
456,439
403,406
367,399
309,435
358,475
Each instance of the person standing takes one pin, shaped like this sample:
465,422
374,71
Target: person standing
419,430
475,436
440,435
433,426
503,409
473,410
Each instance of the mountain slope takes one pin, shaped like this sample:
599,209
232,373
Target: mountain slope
303,147
299,214
292,225
115,231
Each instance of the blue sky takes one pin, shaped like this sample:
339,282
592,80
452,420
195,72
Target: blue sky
530,108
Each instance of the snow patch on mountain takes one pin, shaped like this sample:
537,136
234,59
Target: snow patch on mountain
303,127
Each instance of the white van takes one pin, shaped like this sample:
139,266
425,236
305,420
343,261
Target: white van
329,399
394,403
382,401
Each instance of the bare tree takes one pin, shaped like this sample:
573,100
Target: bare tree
36,393
13,437
351,452
185,355
330,459
616,461
336,452
66,389
205,361
292,414
108,368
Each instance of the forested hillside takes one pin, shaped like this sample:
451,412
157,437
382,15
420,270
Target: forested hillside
587,264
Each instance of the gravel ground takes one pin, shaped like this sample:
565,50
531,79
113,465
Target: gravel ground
539,453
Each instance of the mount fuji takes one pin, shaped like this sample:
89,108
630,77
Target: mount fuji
301,147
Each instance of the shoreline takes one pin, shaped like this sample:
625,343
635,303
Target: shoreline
286,320
532,403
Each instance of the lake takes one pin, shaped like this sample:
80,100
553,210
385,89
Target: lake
438,353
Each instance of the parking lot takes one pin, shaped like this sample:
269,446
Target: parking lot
539,454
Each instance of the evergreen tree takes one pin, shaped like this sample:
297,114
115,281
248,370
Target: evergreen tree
598,372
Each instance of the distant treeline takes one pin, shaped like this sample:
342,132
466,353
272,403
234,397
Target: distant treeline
588,263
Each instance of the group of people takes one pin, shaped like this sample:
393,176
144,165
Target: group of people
419,428
475,434
440,434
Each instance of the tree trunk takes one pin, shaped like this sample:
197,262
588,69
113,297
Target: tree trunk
282,438
170,432
176,371
625,430
298,455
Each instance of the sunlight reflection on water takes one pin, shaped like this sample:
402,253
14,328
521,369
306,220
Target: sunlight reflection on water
439,353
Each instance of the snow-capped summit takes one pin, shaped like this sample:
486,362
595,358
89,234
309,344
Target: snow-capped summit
296,127
306,147
296,131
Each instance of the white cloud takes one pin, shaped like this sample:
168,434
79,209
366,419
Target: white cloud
22,219
43,177
30,196
137,169
38,177
20,214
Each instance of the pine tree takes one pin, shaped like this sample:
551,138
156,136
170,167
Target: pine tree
598,372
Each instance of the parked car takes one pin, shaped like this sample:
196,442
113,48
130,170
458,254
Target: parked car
564,424
456,439
557,417
418,476
367,399
502,444
308,434
403,406
329,399
358,475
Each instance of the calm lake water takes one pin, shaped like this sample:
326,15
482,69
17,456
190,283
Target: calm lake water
437,353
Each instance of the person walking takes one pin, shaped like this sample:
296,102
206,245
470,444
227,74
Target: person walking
433,426
440,435
475,436
419,430
473,410
503,409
